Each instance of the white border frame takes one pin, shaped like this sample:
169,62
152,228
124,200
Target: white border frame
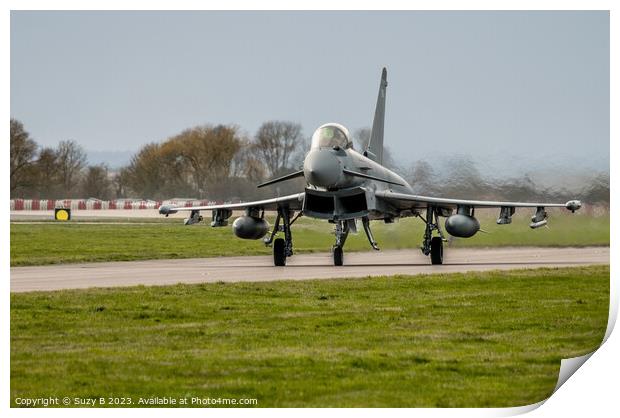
592,390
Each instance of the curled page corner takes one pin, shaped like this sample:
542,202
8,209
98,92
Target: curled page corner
569,366
519,410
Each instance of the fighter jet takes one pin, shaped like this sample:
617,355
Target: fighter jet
344,186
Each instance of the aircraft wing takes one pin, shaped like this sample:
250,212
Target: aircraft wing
408,201
294,201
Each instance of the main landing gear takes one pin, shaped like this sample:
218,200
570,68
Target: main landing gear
431,245
282,247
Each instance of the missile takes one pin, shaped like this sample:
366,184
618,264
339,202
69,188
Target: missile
538,224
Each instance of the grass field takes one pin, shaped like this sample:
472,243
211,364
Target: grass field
49,242
458,340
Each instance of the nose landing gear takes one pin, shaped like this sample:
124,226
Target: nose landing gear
341,231
338,254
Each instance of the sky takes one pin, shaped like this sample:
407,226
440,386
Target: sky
504,87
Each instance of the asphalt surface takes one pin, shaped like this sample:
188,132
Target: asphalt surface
302,266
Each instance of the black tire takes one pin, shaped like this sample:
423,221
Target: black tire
279,255
436,250
338,256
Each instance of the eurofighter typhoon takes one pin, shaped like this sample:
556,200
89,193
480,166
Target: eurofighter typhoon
344,186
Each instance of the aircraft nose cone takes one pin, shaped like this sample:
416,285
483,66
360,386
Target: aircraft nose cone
322,168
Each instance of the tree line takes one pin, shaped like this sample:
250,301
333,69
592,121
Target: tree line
52,173
462,180
220,162
216,162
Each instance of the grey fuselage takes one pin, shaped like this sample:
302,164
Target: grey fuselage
325,171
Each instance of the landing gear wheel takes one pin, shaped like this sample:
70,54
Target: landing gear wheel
279,253
338,256
436,250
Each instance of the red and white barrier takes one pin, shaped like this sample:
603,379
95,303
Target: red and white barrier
93,204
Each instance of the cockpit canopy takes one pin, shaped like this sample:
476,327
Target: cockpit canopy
330,136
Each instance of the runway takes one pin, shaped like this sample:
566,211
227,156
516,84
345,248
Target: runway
302,266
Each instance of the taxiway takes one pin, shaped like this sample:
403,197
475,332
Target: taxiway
299,267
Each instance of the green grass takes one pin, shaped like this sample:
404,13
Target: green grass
48,243
492,339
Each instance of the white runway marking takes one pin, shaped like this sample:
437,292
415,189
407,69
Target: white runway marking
302,266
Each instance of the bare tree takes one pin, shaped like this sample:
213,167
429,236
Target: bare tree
422,177
46,173
23,150
198,162
145,175
361,138
210,152
71,160
254,170
597,190
96,182
119,183
277,142
463,179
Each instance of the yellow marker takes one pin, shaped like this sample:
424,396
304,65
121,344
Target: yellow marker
62,214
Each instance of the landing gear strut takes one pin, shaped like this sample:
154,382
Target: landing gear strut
342,232
433,246
282,247
371,238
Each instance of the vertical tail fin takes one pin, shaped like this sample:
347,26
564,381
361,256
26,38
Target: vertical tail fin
374,150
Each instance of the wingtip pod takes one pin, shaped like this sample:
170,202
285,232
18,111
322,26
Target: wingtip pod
573,205
166,210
